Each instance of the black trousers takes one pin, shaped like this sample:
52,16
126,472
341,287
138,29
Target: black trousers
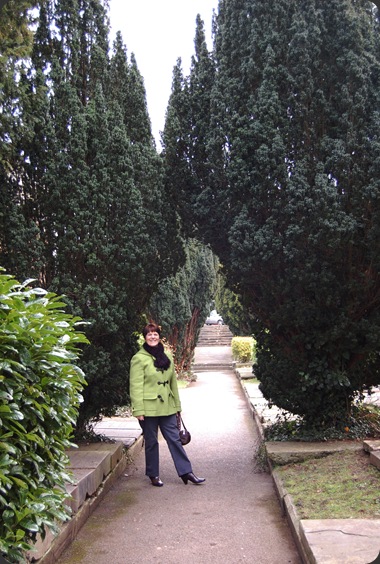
168,427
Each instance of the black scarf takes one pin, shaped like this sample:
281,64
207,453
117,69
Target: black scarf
162,362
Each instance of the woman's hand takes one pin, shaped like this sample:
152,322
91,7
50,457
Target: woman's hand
140,417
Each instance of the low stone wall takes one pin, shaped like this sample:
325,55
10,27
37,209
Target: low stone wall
95,468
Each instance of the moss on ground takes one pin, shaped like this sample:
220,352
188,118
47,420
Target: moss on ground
342,485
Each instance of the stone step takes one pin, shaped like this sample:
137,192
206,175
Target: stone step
214,335
214,339
288,452
372,446
215,329
94,468
215,344
90,465
221,343
374,458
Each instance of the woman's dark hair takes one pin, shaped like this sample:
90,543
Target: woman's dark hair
151,328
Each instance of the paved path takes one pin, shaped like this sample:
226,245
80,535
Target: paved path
234,517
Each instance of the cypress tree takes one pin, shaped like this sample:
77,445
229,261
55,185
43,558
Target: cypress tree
175,141
294,109
87,191
153,207
181,303
24,128
189,171
320,331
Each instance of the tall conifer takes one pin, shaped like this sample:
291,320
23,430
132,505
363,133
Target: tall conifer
85,206
182,301
185,137
293,139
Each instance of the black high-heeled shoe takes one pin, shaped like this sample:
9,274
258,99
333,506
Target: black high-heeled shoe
190,477
156,481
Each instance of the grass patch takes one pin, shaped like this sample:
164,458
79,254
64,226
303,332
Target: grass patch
251,381
183,384
342,485
185,378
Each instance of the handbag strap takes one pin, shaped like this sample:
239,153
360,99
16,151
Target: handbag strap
184,426
180,422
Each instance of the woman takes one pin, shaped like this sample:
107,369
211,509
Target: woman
155,403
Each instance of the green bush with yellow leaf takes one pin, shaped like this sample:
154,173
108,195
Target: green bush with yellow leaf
243,349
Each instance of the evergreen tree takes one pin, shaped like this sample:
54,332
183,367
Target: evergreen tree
155,259
188,169
181,303
229,306
86,209
119,206
201,83
23,140
175,142
294,126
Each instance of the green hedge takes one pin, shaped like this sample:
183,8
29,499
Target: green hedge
243,349
40,387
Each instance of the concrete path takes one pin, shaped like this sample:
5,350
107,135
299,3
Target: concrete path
234,517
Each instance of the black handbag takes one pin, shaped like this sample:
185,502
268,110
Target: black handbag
184,434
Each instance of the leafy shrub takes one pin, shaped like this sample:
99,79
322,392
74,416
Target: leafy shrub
40,388
242,349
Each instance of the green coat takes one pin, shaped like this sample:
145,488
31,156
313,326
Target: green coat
149,397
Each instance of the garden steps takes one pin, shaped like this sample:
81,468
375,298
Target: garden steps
214,335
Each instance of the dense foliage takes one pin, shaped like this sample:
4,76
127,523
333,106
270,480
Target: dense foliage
181,304
270,157
83,203
242,349
187,170
291,180
230,307
40,387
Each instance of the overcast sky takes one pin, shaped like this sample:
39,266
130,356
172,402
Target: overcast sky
158,32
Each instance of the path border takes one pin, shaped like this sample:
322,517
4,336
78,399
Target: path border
318,541
68,531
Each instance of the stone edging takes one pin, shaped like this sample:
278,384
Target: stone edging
287,507
306,532
70,530
290,513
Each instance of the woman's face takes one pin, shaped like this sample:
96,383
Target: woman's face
152,338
